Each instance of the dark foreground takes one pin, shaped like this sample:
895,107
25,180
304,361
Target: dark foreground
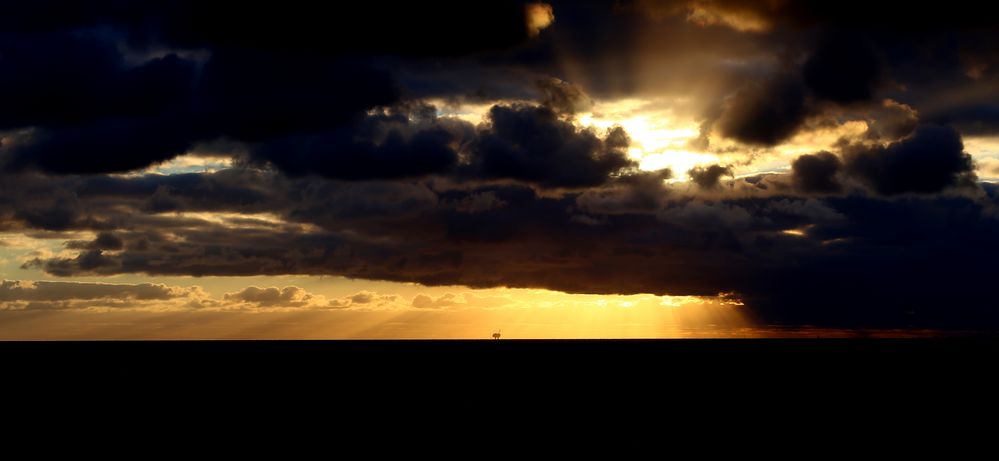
347,363
412,385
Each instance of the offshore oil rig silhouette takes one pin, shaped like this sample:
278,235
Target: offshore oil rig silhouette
497,334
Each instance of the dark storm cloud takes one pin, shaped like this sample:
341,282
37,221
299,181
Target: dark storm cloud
533,144
810,13
115,87
378,147
289,89
765,113
642,192
523,142
709,177
56,216
909,262
929,161
435,28
237,190
840,73
589,242
427,28
104,241
103,146
63,77
971,119
254,95
842,68
337,155
817,172
90,111
466,79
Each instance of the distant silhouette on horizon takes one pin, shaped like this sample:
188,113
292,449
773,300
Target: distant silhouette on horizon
497,334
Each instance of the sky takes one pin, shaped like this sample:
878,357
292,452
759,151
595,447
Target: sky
442,169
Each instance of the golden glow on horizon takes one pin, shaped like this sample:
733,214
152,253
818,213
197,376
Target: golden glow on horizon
191,312
600,317
393,325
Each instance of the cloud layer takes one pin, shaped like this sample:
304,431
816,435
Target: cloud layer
356,153
22,295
